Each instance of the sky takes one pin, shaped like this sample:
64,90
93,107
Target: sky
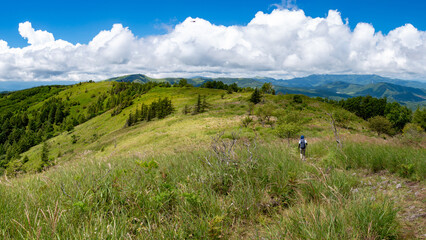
82,40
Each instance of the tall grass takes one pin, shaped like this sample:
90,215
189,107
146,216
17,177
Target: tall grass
356,219
405,161
207,194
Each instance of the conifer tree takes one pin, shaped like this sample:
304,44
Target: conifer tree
143,112
197,106
149,114
137,115
204,104
185,110
130,120
256,96
45,154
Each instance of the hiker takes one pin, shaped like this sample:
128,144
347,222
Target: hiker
302,146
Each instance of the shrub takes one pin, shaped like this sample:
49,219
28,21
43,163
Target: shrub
264,114
406,170
245,122
380,125
343,118
267,88
297,99
287,130
412,134
250,108
74,139
419,117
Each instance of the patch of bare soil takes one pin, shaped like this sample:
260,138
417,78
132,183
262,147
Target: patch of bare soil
409,197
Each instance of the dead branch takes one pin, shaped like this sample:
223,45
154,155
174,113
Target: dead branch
334,129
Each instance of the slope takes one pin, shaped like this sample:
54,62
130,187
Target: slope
107,133
205,176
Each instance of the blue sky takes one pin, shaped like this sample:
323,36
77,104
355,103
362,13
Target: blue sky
95,40
79,21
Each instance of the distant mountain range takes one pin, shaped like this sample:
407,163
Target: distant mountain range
318,80
8,86
410,93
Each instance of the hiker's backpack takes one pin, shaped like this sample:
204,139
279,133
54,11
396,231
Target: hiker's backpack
302,144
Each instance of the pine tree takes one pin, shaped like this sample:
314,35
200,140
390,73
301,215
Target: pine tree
59,116
185,110
170,108
45,154
143,112
137,115
160,109
197,106
149,114
130,120
256,96
204,104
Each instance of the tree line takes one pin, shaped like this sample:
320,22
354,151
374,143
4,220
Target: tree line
220,85
256,96
369,108
147,112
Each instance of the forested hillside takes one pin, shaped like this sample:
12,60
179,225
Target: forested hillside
32,116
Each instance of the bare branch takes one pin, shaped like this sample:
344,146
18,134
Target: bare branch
333,127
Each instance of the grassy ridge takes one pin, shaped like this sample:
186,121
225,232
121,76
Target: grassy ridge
105,134
175,178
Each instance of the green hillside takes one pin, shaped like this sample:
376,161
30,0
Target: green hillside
231,171
138,78
408,93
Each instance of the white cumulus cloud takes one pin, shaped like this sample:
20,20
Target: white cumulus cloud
282,44
38,37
